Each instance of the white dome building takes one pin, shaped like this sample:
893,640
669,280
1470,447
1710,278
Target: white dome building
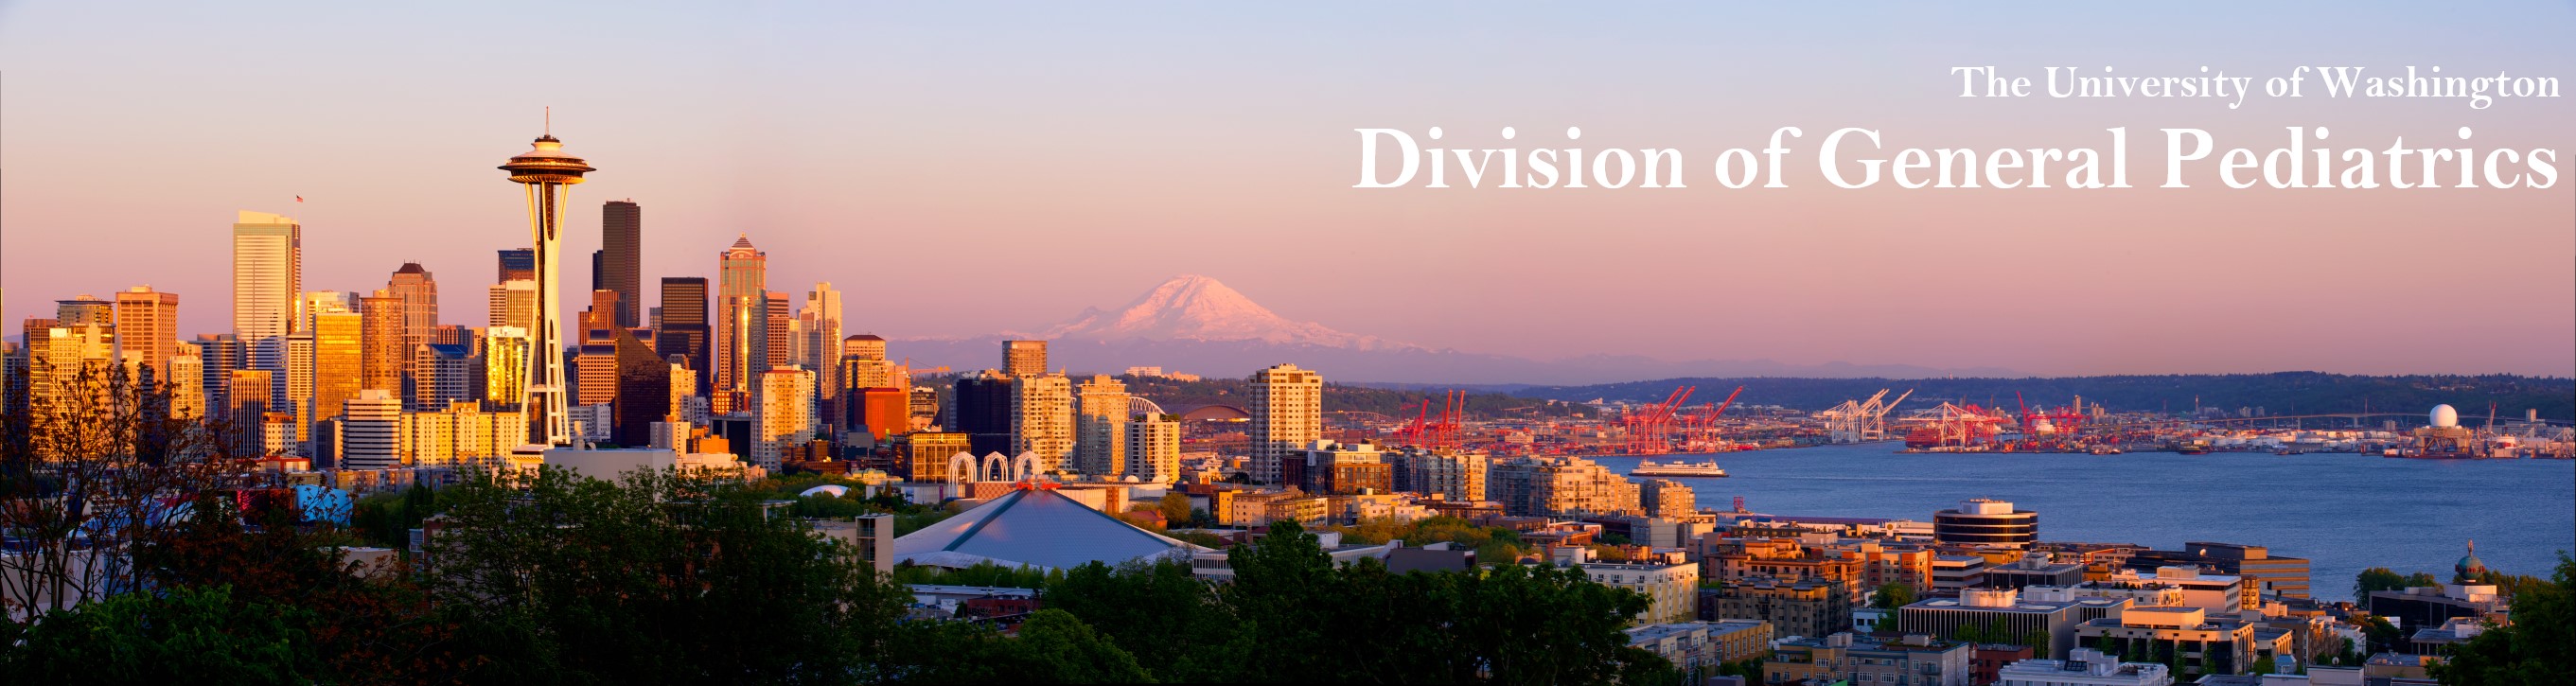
2445,416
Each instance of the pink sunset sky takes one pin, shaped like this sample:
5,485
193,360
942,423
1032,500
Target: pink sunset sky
961,171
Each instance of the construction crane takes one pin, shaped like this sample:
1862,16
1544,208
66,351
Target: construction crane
1442,433
1700,431
1650,427
1861,421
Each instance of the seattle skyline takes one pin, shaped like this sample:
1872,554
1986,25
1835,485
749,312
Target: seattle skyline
880,175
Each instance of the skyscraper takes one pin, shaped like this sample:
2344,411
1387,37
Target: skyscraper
1024,358
147,329
683,329
505,367
1042,419
818,337
1287,415
742,322
643,391
381,339
1100,427
419,293
246,407
1154,448
338,362
517,264
780,312
512,303
268,275
219,354
980,407
548,176
621,240
298,396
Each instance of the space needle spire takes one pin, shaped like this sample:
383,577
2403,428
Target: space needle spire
548,175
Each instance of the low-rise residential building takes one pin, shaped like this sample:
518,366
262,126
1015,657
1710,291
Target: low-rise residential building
2083,667
1794,607
1985,660
1673,590
1916,660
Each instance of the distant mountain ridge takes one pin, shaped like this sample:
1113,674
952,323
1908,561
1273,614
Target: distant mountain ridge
1196,324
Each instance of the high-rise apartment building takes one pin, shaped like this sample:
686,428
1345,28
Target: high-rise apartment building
338,361
147,329
621,260
742,321
683,329
1154,448
187,383
1287,415
440,376
371,431
1100,427
1024,358
1042,420
268,275
381,341
784,421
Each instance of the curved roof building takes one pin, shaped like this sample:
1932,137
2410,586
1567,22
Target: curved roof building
1034,527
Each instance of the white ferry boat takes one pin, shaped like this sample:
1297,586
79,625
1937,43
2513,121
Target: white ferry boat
1650,468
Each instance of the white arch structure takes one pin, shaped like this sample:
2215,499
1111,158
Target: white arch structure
964,468
1137,405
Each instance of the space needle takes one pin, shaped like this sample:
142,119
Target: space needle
548,174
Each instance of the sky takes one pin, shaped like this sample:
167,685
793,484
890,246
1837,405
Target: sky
960,170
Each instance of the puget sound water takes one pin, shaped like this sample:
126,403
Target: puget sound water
2344,512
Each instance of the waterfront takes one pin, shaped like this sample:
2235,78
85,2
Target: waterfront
2344,512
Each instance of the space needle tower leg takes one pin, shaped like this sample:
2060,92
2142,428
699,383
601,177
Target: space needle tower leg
548,175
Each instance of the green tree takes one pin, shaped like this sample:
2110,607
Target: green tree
2538,648
2376,579
655,578
1161,613
190,635
1892,595
1175,507
1056,647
